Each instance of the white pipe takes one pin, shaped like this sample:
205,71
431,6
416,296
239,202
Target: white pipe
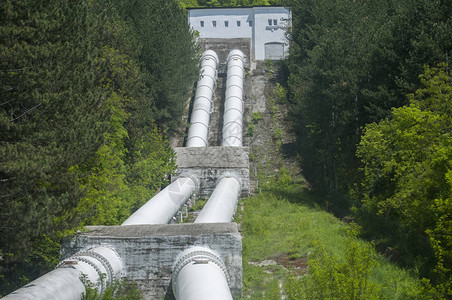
222,203
233,106
234,102
200,116
200,274
163,206
98,265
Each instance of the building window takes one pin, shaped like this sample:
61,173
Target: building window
250,23
275,22
226,23
270,22
238,24
202,23
214,23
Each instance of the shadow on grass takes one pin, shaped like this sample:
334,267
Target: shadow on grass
392,240
337,204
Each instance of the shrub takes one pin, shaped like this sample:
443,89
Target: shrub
256,117
250,130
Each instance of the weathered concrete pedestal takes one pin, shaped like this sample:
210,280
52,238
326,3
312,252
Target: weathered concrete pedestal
148,252
209,164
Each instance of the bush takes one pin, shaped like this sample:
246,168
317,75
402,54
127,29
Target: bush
250,130
118,290
280,93
277,134
256,117
329,278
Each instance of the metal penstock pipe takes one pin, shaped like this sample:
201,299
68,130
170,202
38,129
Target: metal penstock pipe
233,105
163,206
202,105
98,265
221,206
200,274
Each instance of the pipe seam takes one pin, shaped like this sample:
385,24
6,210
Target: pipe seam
233,122
197,138
198,97
206,75
81,257
234,86
233,108
207,86
235,75
205,89
96,268
196,256
230,97
197,122
207,111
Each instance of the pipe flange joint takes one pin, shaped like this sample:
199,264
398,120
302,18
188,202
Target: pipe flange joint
230,175
91,253
82,257
210,54
193,177
235,54
102,280
196,254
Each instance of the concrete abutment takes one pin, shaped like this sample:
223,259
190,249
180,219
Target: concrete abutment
148,252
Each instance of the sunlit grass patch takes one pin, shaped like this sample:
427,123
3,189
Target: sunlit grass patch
292,247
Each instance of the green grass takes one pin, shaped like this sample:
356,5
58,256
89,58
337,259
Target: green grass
256,117
199,204
194,209
292,246
285,227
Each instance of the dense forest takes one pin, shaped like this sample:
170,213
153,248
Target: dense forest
90,90
370,87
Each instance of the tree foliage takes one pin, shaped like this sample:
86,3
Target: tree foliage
168,55
86,97
49,119
350,63
407,175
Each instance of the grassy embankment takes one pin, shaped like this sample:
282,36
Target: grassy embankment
292,247
285,233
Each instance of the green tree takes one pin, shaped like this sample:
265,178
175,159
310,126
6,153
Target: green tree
105,183
117,182
79,142
326,63
51,117
169,59
406,189
350,63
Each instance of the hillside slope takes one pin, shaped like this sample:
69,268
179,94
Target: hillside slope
292,247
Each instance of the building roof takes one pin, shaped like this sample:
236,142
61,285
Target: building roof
235,7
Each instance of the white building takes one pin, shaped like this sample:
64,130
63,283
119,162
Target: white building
264,26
